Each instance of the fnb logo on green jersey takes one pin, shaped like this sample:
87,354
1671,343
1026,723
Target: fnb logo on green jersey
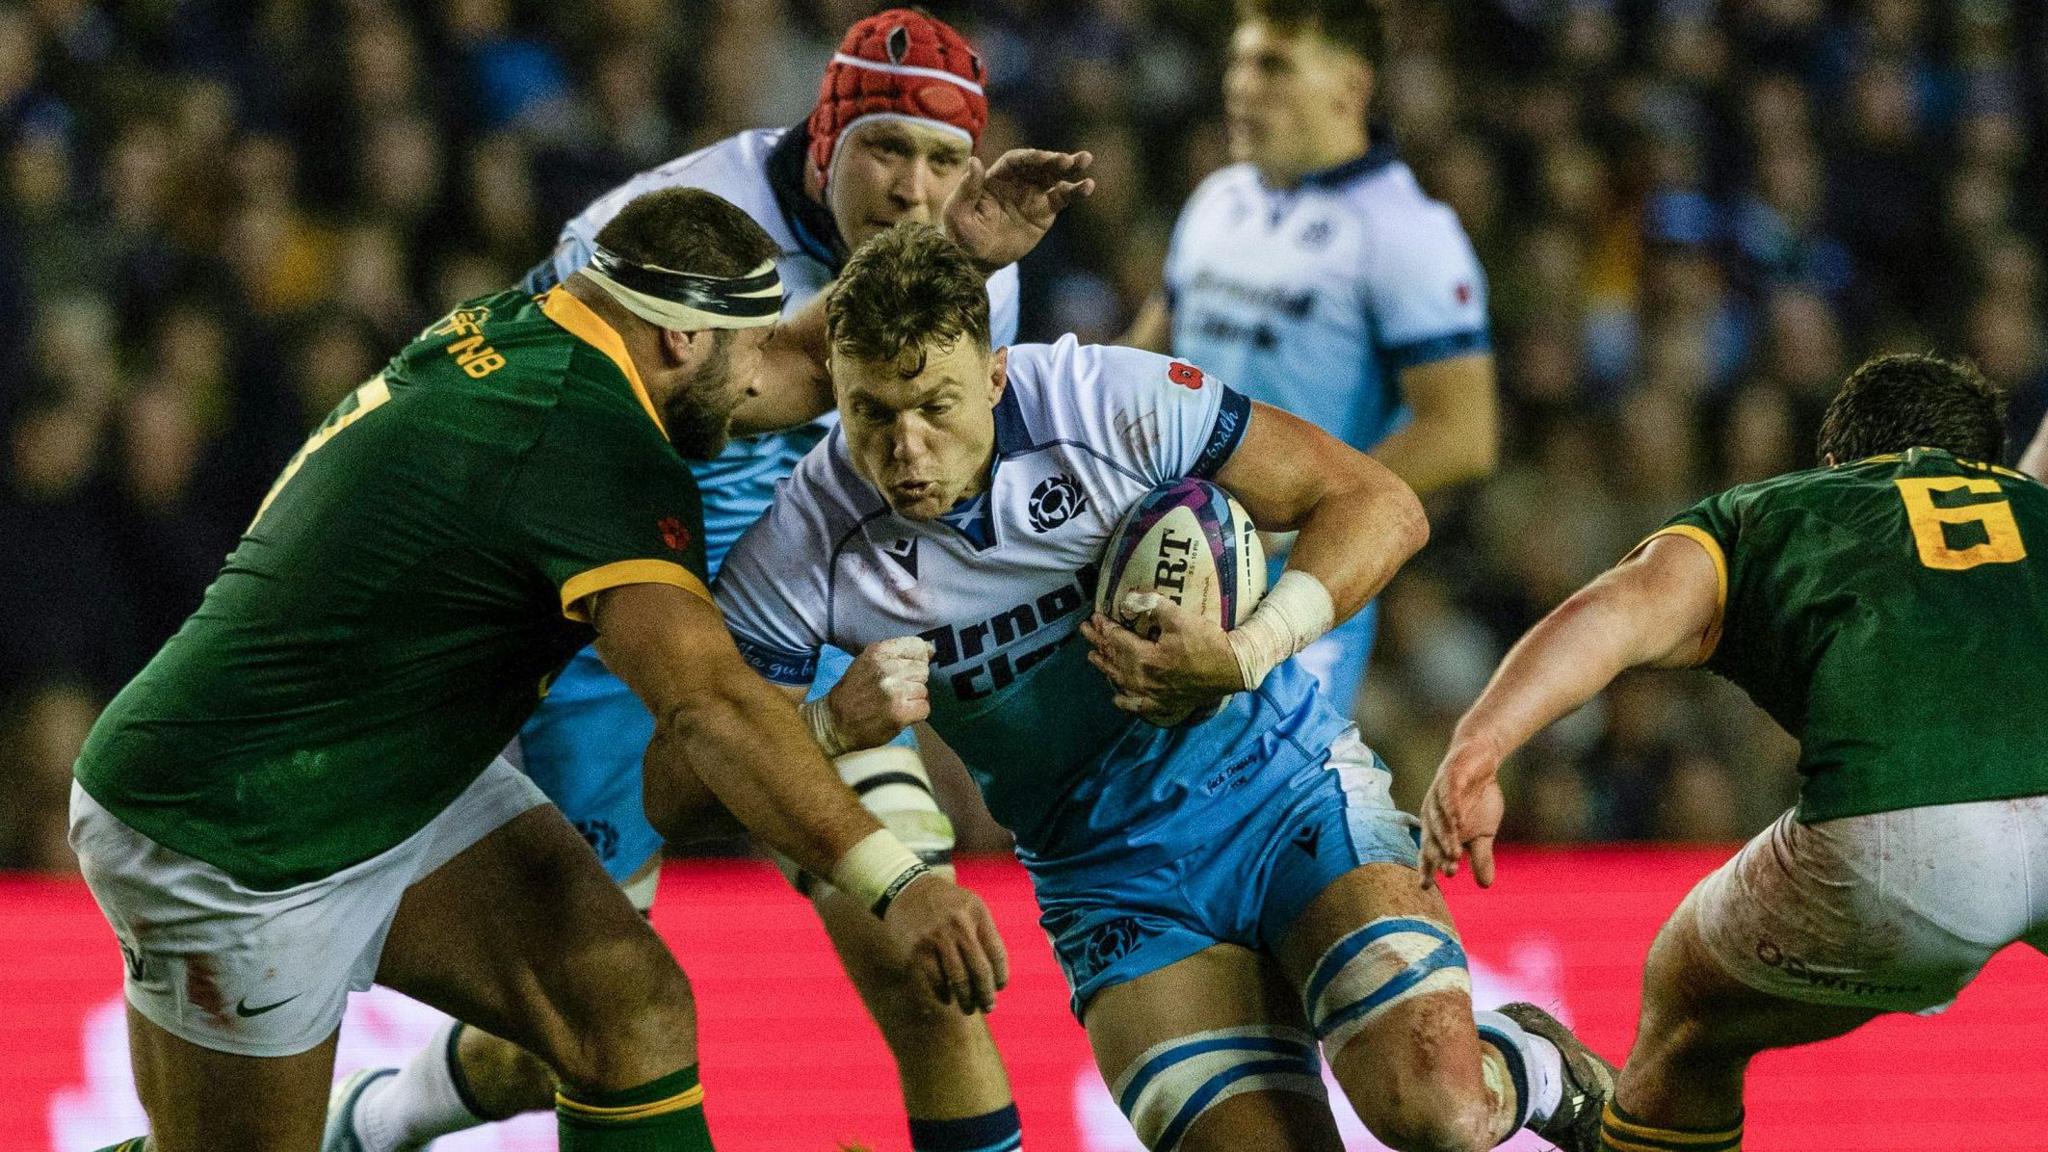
477,358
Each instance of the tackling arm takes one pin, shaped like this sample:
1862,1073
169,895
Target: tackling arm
1661,607
998,214
718,722
1453,435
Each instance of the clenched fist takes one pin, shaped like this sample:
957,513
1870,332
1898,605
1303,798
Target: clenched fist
883,693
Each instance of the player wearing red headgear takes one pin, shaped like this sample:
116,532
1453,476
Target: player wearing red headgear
891,137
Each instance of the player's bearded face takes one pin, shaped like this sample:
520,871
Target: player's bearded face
888,171
921,429
698,414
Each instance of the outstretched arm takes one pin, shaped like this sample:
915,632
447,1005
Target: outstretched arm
1152,328
725,725
1661,607
998,214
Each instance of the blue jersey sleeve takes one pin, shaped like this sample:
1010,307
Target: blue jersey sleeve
1003,292
771,589
1160,417
1426,291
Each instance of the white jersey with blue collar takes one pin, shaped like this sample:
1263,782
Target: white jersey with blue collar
1082,432
739,484
1314,298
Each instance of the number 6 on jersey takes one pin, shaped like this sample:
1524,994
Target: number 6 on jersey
1930,521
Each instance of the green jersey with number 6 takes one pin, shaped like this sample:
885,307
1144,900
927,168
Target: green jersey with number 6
1888,613
394,611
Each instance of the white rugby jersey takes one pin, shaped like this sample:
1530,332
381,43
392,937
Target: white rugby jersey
1082,432
1314,298
738,485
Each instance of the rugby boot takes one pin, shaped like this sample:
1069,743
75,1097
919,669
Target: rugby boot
1588,1081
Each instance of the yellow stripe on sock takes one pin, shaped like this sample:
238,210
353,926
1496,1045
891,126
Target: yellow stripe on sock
1609,1140
1627,1134
693,1098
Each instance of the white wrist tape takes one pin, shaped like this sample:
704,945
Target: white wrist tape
876,869
1295,614
825,732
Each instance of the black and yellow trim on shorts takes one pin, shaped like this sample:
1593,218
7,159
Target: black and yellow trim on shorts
1621,1132
691,1097
620,573
1704,539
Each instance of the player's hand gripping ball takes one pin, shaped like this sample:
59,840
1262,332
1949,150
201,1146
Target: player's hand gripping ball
883,692
1183,565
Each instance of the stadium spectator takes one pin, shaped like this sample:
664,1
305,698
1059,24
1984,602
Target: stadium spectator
1694,216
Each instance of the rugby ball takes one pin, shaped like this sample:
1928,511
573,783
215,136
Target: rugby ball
1193,544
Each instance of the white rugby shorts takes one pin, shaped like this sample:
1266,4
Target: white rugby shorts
1895,911
265,973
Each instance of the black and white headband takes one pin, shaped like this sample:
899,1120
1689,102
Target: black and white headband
687,301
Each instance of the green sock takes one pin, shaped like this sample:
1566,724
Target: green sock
665,1116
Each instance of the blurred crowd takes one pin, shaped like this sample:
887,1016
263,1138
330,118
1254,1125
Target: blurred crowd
218,217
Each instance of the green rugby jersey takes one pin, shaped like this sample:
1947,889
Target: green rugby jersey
396,608
1890,614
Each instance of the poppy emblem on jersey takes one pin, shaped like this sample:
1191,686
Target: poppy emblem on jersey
1464,292
1186,375
1056,500
674,533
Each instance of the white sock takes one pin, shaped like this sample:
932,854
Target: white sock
1541,1064
417,1105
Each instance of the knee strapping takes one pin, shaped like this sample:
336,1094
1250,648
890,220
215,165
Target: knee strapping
1387,962
892,785
1170,1084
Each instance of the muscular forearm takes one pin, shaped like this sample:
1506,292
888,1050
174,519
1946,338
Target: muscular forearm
747,745
1356,537
1565,660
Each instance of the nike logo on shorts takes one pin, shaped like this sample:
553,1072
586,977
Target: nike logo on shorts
243,1010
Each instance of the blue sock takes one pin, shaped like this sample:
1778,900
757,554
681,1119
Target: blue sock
997,1131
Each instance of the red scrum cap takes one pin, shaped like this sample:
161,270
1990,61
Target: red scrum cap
901,65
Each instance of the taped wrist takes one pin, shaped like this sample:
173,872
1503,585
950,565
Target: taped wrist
877,869
891,783
825,732
1296,612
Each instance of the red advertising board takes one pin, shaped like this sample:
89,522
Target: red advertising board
790,1062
